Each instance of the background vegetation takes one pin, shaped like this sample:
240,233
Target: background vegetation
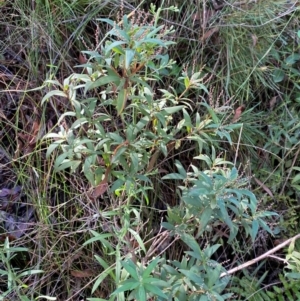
149,151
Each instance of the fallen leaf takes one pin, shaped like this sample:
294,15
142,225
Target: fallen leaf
273,102
82,274
254,40
9,236
209,33
265,188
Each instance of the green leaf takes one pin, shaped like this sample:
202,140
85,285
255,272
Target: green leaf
155,42
54,93
116,157
100,237
233,233
141,293
265,226
225,134
89,174
180,168
53,82
120,33
155,290
138,239
53,135
278,75
193,197
211,112
131,268
191,242
209,251
116,137
141,125
294,275
150,267
292,59
233,174
79,122
296,178
205,158
173,176
205,218
30,272
163,148
252,198
52,147
172,110
129,56
107,20
214,275
104,80
135,164
186,82
117,185
154,31
254,231
198,280
73,164
64,115
114,45
106,267
127,285
121,101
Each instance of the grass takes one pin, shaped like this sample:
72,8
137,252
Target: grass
239,48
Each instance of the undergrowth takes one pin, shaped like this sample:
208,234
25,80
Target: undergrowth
146,153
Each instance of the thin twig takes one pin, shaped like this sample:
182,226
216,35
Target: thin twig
238,145
263,256
278,258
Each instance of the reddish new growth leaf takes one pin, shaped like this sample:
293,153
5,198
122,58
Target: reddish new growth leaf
238,112
100,189
82,59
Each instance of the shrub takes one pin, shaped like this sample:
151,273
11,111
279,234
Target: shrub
120,120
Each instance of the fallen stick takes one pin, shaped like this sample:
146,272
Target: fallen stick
263,256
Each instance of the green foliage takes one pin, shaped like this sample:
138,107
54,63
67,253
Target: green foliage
195,277
133,104
249,288
289,290
127,67
142,282
122,70
293,260
15,285
217,194
124,73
